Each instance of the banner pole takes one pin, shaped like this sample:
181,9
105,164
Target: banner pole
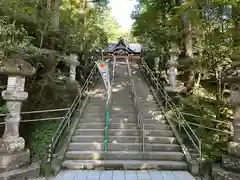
106,124
104,70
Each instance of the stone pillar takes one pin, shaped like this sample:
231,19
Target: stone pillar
73,62
14,96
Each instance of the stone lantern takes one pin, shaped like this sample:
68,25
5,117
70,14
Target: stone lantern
172,65
230,167
73,62
156,63
12,147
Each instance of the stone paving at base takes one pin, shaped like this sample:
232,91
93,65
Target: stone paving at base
123,175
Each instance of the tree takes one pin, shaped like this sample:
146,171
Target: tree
207,33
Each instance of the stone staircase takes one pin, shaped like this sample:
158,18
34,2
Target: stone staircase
85,150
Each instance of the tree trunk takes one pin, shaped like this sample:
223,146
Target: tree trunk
187,44
218,94
236,34
55,7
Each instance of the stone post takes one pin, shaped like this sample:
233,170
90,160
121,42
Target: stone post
73,62
230,167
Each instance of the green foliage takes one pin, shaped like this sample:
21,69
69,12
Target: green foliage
12,38
41,133
42,32
3,109
207,42
34,19
203,106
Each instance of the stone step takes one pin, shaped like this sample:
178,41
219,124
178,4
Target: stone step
75,146
102,105
144,107
111,125
113,120
157,121
120,98
125,164
22,173
121,126
124,139
160,140
114,132
159,133
122,104
112,109
150,109
151,112
123,109
124,132
156,126
124,118
153,116
111,139
121,101
121,120
151,102
112,115
123,155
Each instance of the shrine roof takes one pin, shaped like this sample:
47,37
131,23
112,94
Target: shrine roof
130,48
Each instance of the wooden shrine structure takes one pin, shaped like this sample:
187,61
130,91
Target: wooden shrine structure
120,50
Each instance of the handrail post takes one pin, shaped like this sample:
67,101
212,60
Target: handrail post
68,121
143,137
49,153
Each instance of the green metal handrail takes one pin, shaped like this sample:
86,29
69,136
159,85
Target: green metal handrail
210,120
169,105
66,121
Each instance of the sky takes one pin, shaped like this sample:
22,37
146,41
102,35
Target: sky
121,10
